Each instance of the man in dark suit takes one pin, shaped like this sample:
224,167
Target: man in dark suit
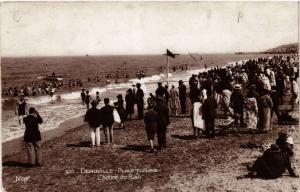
107,121
32,136
163,121
93,117
160,91
182,96
140,101
209,114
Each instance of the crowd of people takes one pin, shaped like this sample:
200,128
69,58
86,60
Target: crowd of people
247,94
34,89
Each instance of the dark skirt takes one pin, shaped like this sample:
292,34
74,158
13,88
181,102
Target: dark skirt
123,114
151,129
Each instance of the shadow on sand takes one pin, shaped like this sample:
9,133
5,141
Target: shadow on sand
81,144
141,148
185,137
16,164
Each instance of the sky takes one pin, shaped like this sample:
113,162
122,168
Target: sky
121,28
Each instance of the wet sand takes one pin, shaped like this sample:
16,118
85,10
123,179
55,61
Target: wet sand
188,164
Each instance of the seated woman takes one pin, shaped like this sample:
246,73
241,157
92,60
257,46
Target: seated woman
272,164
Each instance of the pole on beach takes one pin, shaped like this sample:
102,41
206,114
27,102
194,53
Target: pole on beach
169,53
168,70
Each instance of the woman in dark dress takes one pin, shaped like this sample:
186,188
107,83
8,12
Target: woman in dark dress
151,125
120,108
130,100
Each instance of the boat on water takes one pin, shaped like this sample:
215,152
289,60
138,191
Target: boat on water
52,77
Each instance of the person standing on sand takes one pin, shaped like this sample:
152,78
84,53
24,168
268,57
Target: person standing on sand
93,118
121,110
151,123
174,101
98,97
160,91
167,95
130,100
82,96
140,101
163,121
107,121
32,136
209,114
197,120
265,106
237,104
182,96
21,108
87,100
251,111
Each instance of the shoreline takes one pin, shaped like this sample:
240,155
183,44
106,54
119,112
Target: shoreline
16,145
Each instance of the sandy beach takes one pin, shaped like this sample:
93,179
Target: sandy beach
188,164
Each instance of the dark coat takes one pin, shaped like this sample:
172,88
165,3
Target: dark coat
163,115
160,91
130,100
237,102
151,123
32,132
93,117
209,109
182,92
120,108
139,96
107,118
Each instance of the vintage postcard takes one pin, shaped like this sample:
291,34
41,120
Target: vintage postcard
150,96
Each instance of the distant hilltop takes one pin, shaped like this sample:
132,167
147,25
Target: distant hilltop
288,48
282,49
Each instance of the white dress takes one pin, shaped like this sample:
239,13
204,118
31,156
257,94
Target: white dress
198,122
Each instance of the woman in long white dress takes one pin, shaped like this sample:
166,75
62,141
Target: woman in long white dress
251,112
197,120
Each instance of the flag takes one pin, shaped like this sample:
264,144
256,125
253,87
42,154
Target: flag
169,53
